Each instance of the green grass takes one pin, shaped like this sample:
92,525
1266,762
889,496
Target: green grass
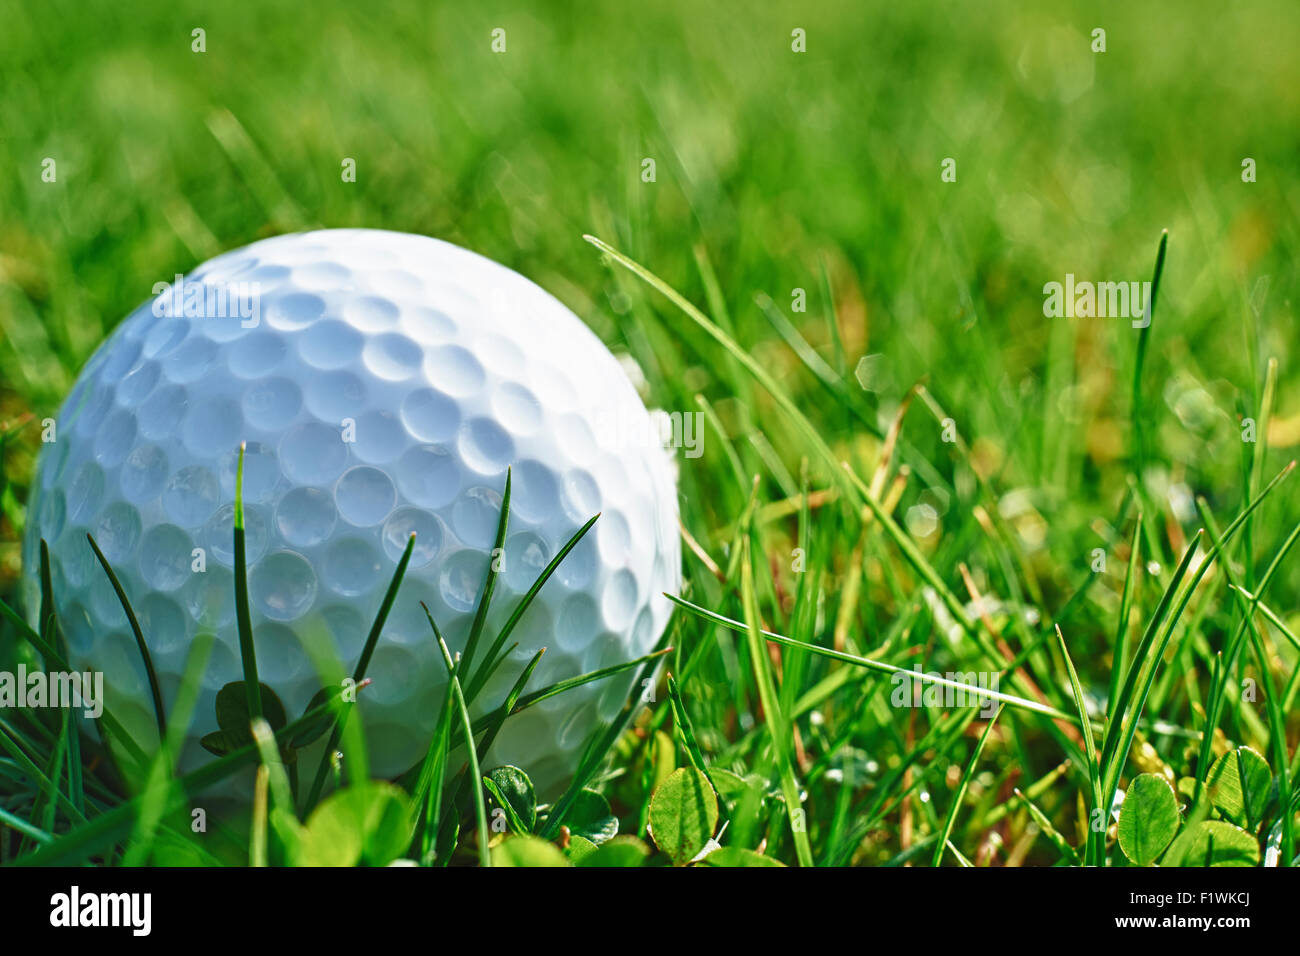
947,520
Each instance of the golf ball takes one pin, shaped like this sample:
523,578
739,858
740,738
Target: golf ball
383,384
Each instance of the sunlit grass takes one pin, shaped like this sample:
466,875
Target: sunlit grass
941,513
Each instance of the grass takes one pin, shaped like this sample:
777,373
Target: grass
908,472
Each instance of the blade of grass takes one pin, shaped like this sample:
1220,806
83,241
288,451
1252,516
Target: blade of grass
849,481
682,722
485,672
762,375
54,638
489,584
834,382
55,772
46,618
1272,702
1138,451
9,738
1045,824
569,683
104,830
106,719
596,750
163,769
939,738
243,618
1119,735
1257,467
428,791
1231,650
1092,853
768,696
480,809
492,728
445,841
25,828
152,674
1273,618
1113,753
363,662
385,607
879,666
1119,658
961,860
273,762
257,853
957,797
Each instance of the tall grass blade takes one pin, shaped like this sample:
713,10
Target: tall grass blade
778,729
243,617
480,808
489,584
363,663
154,691
485,671
942,843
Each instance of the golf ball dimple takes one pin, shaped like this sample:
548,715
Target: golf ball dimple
383,383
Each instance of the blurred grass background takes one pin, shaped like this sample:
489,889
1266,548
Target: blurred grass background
1067,161
780,166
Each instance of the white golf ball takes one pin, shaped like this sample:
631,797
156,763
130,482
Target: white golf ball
383,383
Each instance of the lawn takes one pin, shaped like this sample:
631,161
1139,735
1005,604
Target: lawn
825,232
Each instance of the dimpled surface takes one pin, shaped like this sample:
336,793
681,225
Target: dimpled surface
384,387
